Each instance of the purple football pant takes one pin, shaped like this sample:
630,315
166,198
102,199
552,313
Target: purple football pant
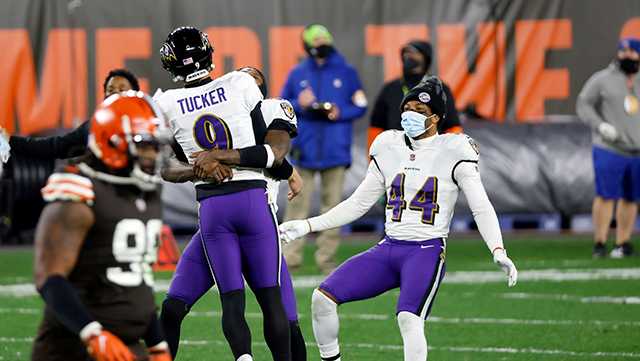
240,237
192,279
416,267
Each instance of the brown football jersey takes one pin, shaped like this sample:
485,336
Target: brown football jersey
113,273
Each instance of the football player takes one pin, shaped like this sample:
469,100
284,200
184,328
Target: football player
192,278
422,173
97,238
211,121
71,144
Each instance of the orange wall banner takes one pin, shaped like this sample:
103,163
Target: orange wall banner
515,61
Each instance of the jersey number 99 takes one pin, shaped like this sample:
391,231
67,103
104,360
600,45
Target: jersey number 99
135,244
425,200
211,132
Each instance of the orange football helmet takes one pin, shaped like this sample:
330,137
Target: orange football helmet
120,123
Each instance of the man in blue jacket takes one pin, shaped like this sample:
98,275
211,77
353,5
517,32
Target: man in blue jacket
327,96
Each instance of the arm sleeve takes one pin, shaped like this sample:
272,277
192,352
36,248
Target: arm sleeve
68,145
349,111
64,301
469,181
354,207
280,172
587,102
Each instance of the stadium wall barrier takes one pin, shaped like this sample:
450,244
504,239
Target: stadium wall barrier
525,168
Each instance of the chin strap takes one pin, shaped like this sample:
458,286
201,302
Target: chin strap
146,182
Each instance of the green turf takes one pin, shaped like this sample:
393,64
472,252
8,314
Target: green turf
470,321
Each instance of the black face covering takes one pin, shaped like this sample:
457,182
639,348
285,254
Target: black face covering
408,72
409,65
322,51
629,66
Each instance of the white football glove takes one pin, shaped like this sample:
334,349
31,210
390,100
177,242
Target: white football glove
608,131
293,230
5,149
500,258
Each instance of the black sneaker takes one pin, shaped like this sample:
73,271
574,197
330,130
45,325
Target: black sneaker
599,250
625,250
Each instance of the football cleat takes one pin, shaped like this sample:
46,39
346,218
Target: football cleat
599,250
621,251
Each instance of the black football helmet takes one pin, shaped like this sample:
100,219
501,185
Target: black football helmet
186,54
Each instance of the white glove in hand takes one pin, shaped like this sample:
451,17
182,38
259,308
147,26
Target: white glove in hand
5,149
500,258
293,230
608,131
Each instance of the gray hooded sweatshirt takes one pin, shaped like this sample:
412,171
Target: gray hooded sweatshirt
602,99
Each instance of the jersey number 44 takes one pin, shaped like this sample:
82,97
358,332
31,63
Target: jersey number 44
425,200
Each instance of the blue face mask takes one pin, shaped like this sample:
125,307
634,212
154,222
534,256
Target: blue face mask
413,123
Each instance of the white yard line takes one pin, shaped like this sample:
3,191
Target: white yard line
462,277
386,317
383,347
627,300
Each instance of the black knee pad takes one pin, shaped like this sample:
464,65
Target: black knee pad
233,303
175,309
268,296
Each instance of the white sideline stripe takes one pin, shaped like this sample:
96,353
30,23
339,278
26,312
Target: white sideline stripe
625,300
386,317
462,277
499,350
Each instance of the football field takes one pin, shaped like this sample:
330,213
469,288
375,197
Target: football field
566,306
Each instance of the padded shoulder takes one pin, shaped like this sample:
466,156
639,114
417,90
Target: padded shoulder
68,186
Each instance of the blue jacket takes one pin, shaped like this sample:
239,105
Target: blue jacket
322,143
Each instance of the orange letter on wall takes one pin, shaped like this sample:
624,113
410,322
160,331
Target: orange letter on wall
63,81
631,28
238,43
285,51
387,40
114,47
486,86
534,83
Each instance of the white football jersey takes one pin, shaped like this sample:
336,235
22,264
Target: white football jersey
419,181
272,109
276,108
215,115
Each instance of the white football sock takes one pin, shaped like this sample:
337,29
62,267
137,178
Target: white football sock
325,325
413,339
245,357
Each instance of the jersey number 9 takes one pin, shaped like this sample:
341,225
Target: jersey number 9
211,132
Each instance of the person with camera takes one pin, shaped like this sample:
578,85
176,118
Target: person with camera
326,94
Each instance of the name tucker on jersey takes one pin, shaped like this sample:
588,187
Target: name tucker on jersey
200,101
